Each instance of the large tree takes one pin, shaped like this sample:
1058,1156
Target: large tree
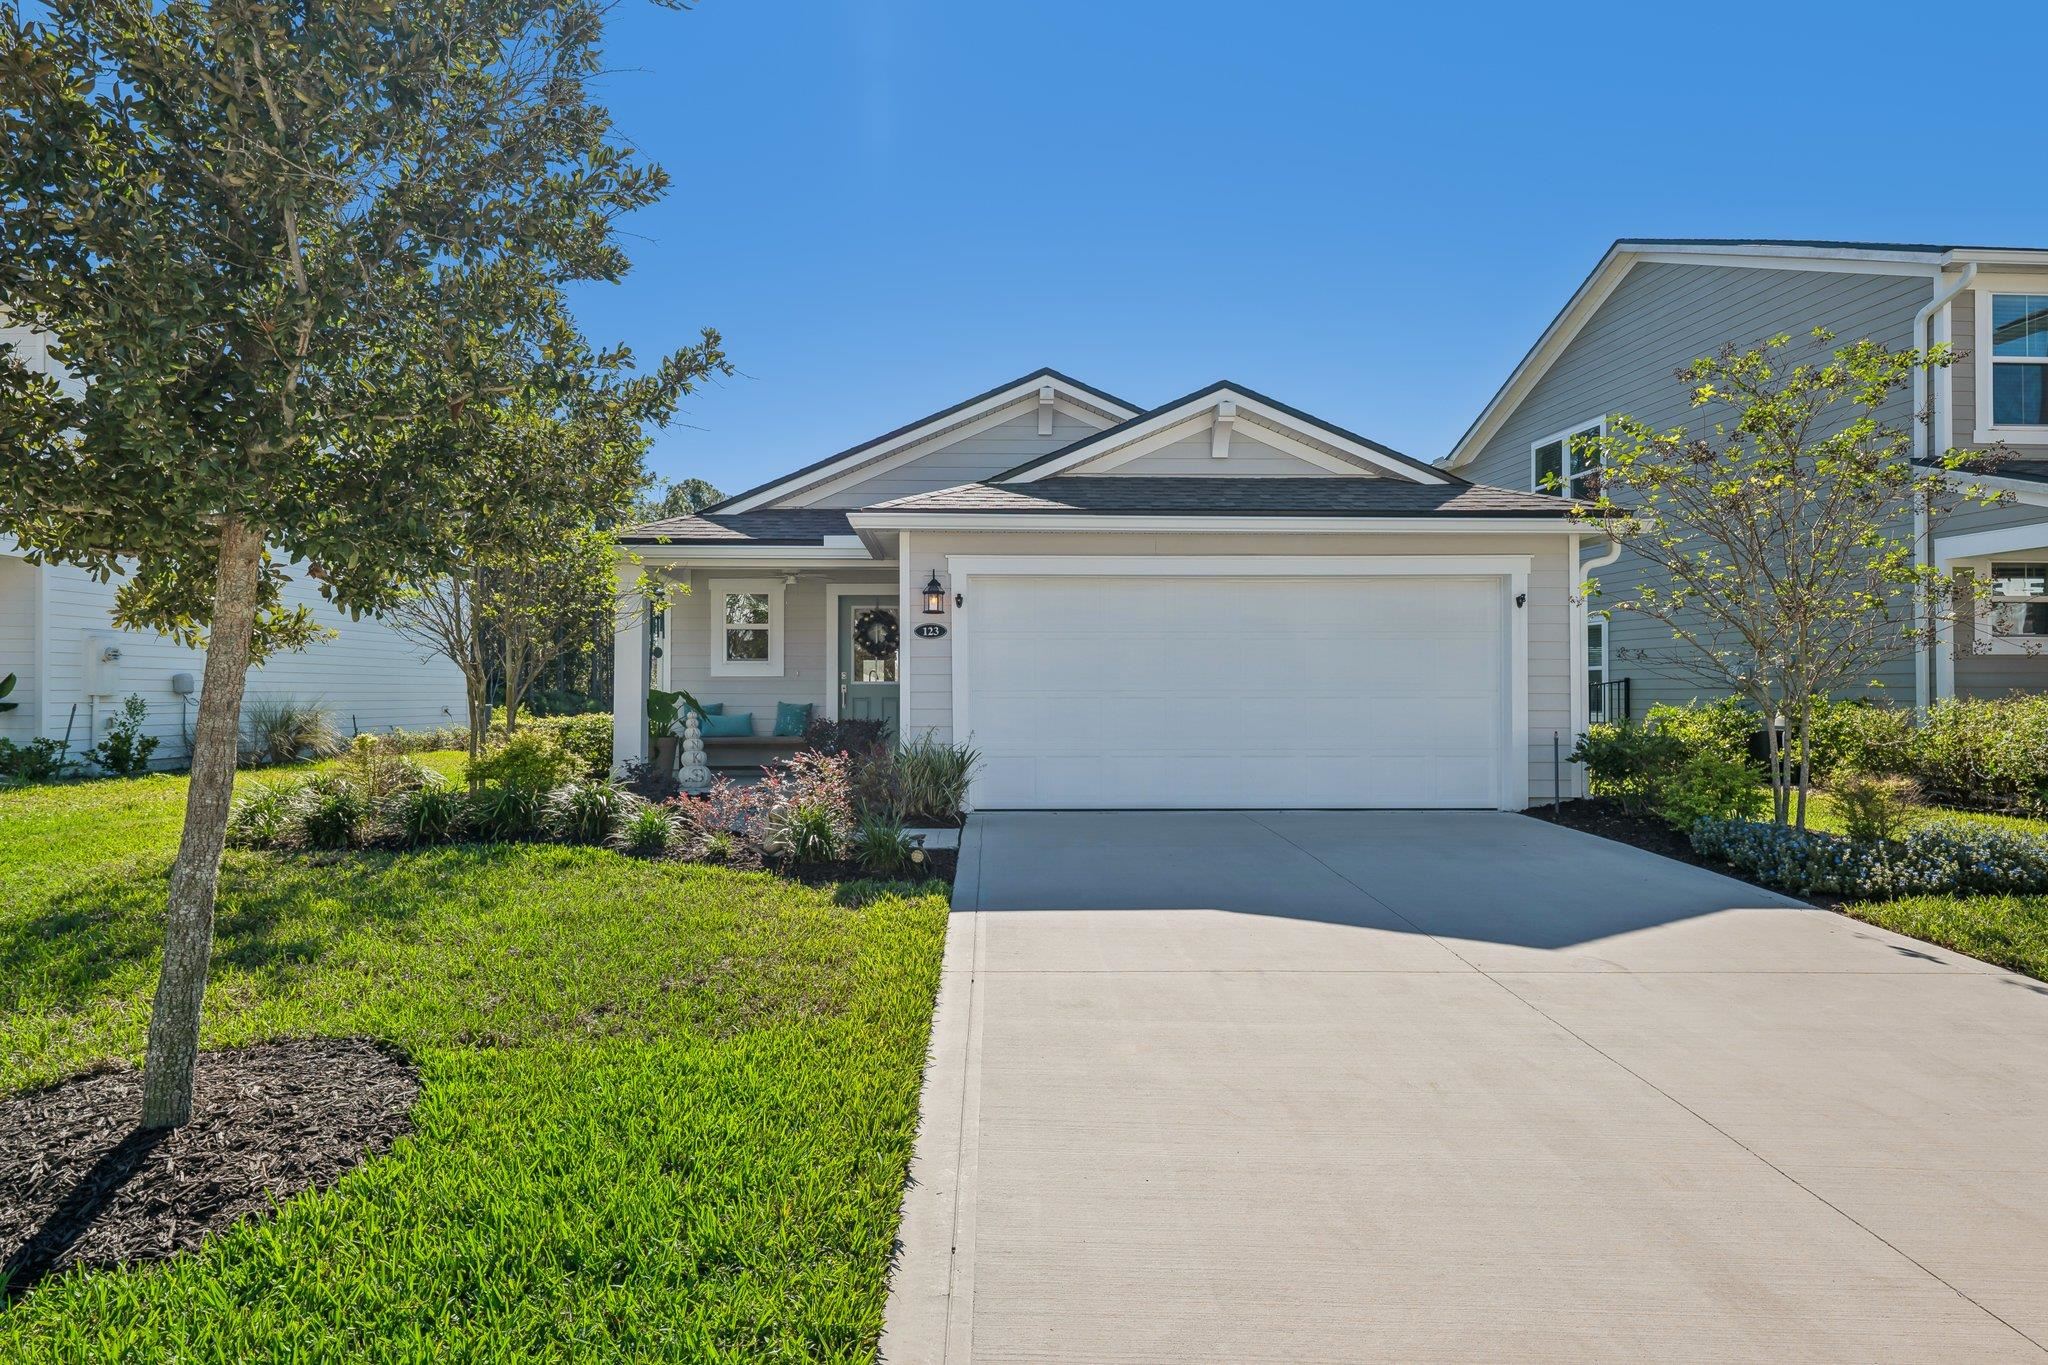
296,257
1781,536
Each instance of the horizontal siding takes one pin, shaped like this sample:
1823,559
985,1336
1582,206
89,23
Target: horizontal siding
968,460
367,674
1661,317
18,646
2000,675
1553,670
1189,457
806,673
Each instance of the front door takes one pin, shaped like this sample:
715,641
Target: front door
869,629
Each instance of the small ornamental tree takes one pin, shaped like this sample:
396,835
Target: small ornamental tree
1780,541
294,257
535,574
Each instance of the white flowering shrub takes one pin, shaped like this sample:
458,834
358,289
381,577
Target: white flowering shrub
1935,859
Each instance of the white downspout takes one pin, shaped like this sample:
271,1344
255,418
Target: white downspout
1583,611
1923,526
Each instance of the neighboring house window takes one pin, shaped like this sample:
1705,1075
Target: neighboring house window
746,627
2019,360
1568,464
2019,599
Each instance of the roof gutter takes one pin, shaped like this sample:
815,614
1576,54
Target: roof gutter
1923,523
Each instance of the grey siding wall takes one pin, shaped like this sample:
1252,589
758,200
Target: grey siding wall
1999,675
1553,670
1249,458
806,672
1660,317
975,457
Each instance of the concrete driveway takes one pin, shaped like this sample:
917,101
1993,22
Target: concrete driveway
1412,1086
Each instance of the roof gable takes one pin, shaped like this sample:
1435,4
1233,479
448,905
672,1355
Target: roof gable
1221,410
1045,390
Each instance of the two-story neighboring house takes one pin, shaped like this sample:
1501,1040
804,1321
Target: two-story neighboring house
1651,306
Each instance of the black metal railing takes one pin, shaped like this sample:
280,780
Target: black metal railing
1609,701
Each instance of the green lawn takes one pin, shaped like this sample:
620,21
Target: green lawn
666,1110
2011,931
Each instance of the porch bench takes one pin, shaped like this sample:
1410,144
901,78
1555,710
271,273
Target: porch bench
717,745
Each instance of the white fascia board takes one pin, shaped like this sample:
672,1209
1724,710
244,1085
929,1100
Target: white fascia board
2022,490
2006,540
1204,406
872,459
808,556
1244,566
1056,521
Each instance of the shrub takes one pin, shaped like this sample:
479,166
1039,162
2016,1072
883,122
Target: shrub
805,832
1860,736
379,772
1721,728
1874,809
1710,786
882,846
588,735
280,729
262,819
330,815
1935,859
126,749
426,741
39,760
850,735
587,812
504,811
1628,761
722,846
1992,755
936,775
650,831
530,760
431,813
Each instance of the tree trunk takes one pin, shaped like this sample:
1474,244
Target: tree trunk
195,876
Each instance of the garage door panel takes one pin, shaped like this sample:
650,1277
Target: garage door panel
1087,691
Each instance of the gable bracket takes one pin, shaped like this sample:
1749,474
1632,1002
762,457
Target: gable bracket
1219,435
1046,400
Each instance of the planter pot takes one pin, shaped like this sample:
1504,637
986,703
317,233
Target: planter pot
665,754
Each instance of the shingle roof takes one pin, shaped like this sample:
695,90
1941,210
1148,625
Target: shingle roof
1107,438
1140,495
769,526
818,466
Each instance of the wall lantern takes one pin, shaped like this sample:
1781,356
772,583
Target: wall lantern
935,597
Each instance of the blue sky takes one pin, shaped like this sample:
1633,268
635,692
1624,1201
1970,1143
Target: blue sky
1366,211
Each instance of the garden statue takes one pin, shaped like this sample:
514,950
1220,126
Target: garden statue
695,775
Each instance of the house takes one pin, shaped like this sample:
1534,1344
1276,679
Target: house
1651,306
1221,601
73,668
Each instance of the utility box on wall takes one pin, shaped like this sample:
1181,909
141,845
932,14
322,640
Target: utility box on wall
101,672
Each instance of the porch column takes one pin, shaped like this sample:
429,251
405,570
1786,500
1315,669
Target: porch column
629,672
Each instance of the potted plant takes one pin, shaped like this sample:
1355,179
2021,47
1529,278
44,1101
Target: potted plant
664,709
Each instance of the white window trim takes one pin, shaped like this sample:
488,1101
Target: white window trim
1987,431
722,667
1598,426
1986,598
1512,571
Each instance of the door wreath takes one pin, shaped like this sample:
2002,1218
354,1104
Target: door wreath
876,633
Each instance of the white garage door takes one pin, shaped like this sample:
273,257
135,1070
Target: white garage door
1152,692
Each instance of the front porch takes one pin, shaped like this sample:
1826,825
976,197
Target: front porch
1997,644
768,643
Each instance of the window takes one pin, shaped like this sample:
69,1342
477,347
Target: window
2019,599
1568,464
1596,668
746,627
2019,360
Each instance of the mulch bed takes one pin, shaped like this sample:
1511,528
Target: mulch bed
1603,816
81,1185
